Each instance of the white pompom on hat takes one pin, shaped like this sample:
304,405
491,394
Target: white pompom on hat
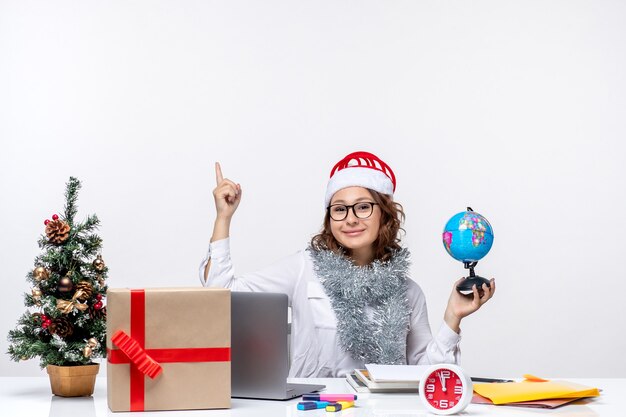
361,169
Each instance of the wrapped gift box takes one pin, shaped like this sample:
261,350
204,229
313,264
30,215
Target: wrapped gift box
168,349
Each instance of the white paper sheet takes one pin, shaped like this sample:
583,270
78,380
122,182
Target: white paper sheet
396,372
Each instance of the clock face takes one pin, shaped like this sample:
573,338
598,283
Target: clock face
443,389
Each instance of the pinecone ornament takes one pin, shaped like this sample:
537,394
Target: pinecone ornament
61,327
57,231
98,314
86,290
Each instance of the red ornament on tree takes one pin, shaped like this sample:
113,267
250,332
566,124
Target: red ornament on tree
55,217
98,305
45,222
98,297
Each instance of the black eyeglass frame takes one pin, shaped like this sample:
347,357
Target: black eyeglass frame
353,210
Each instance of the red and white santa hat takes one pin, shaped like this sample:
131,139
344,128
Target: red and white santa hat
361,169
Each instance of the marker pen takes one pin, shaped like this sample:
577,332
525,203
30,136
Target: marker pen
339,405
329,397
312,405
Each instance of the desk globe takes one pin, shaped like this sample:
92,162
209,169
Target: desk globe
468,237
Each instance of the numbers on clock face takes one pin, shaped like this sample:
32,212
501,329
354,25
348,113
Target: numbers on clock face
443,389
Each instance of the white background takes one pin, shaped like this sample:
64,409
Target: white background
516,108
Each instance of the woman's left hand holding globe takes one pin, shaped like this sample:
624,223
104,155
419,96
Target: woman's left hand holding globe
462,305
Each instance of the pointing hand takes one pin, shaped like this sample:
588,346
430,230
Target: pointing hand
227,194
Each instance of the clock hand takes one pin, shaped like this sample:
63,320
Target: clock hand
442,380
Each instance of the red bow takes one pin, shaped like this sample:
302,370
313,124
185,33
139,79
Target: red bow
137,355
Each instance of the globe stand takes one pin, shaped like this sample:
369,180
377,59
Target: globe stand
473,279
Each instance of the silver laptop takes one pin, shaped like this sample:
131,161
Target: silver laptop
259,351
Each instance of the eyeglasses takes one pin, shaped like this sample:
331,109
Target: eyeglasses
362,210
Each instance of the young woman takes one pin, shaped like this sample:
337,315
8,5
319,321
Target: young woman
352,299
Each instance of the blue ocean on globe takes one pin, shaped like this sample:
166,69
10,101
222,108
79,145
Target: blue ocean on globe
467,236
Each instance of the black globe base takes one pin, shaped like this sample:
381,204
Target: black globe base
467,284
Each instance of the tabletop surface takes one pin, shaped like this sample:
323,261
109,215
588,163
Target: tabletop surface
31,396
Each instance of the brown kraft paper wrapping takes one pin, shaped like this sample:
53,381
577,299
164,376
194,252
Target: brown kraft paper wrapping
175,318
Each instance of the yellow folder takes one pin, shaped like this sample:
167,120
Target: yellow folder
533,389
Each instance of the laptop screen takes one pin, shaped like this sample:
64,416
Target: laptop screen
259,355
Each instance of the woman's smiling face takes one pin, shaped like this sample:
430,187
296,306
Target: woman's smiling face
355,233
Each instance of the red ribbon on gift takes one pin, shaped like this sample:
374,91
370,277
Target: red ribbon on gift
137,354
146,362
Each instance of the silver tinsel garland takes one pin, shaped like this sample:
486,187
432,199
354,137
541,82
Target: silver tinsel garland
370,304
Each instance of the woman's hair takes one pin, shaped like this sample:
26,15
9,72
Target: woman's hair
388,241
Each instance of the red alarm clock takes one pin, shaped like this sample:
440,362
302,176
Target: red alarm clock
445,389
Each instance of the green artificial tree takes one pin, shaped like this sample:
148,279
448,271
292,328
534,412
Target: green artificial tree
65,323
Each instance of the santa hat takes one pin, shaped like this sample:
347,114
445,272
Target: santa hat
361,169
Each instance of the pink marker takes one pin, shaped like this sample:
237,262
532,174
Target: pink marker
328,397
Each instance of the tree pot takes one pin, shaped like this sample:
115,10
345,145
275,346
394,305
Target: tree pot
73,381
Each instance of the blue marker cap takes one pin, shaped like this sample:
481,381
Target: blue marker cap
312,405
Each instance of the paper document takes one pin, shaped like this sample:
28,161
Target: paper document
532,390
550,403
381,373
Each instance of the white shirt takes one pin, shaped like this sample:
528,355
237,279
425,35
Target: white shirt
315,350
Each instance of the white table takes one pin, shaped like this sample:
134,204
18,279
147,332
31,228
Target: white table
31,396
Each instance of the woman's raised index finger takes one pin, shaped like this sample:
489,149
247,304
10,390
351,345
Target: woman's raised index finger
218,173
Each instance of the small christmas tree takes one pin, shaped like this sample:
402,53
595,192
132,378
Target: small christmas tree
65,323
